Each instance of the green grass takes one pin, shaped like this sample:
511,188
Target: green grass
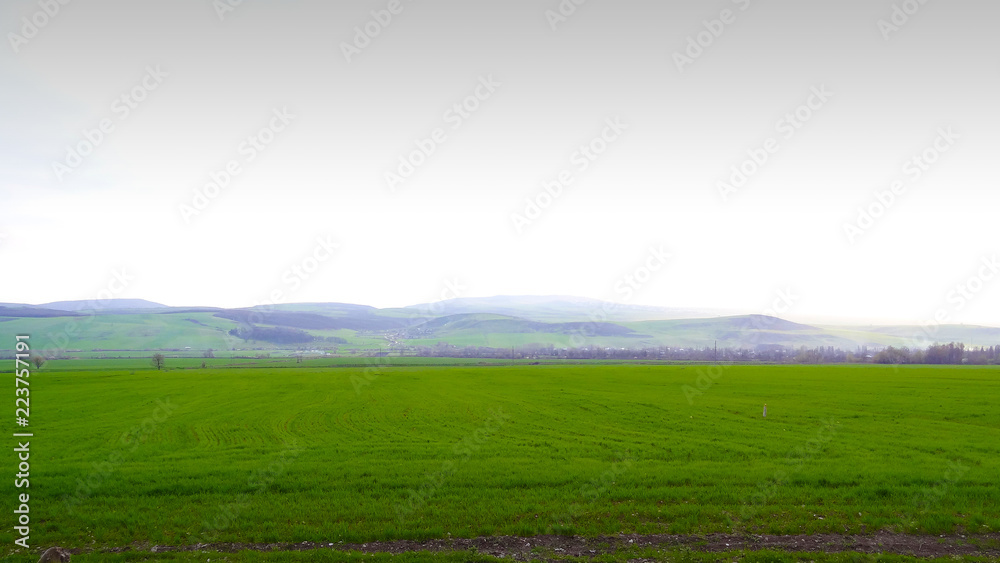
287,454
666,556
122,332
141,361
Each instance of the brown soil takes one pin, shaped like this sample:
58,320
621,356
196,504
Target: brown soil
524,548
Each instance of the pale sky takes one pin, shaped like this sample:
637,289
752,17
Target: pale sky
335,109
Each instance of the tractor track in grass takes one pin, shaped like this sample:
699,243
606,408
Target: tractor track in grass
539,547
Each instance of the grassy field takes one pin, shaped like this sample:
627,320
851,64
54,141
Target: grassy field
648,555
122,332
125,454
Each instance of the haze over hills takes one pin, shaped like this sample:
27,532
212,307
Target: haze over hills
494,322
102,305
562,308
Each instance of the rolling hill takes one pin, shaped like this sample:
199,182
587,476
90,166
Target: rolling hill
120,326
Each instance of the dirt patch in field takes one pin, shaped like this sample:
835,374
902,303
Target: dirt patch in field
524,548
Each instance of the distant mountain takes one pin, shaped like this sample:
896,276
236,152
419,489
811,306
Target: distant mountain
331,309
363,320
919,337
484,323
557,308
105,305
31,311
745,331
496,322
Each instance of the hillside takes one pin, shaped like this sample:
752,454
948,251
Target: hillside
121,326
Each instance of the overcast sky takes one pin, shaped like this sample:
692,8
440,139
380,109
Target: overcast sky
306,115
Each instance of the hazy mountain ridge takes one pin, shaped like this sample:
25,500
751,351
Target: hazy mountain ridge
102,305
563,308
503,321
13,310
493,323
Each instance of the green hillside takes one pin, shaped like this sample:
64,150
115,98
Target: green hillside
122,332
339,328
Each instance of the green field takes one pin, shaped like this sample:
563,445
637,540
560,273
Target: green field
125,455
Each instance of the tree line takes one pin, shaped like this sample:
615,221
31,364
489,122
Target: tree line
953,353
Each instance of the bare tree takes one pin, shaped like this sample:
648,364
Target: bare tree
208,353
39,361
158,361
